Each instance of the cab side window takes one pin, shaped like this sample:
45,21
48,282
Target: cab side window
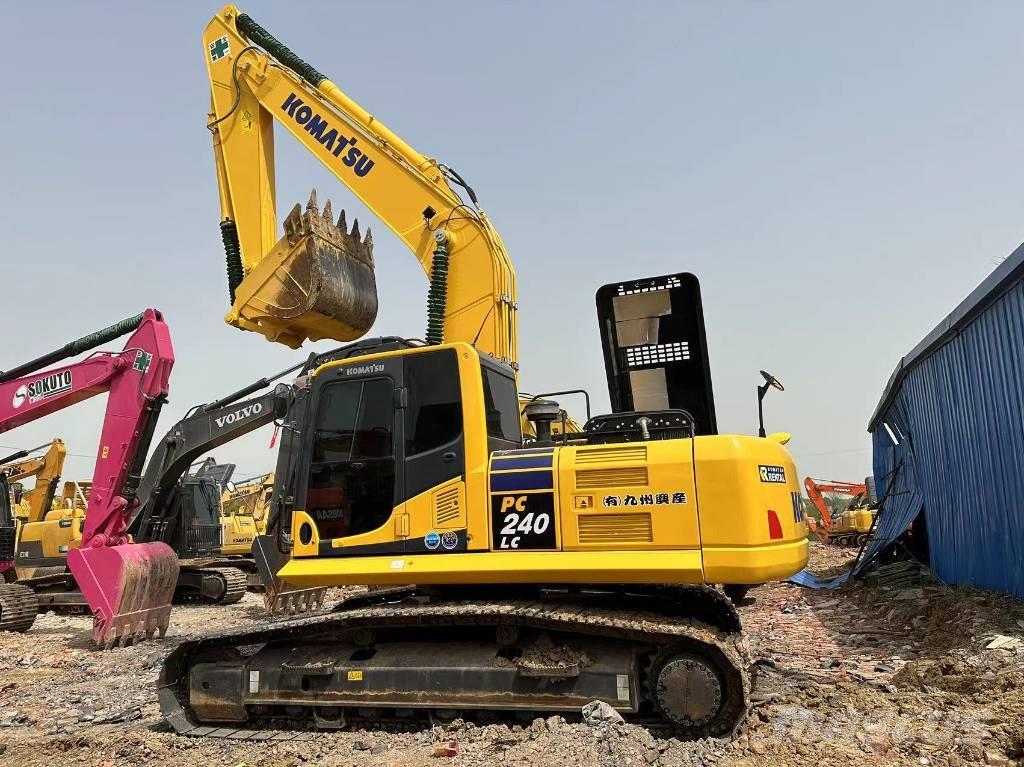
433,417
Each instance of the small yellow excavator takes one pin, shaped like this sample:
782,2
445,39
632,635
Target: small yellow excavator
512,577
45,468
249,500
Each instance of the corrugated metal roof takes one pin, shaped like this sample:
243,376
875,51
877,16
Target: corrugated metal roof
952,417
991,288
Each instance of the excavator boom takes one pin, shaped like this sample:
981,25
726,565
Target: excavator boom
317,280
127,586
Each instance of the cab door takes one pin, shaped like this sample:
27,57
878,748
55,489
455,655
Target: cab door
355,481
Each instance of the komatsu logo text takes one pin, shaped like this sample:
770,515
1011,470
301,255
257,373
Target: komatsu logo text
239,415
43,388
336,143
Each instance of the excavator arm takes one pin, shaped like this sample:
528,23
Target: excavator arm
127,586
203,429
46,470
317,281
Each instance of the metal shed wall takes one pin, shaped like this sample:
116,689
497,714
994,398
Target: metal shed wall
955,410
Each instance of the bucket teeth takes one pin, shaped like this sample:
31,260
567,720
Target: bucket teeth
297,601
312,222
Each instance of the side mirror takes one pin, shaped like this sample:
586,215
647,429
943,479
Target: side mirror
282,400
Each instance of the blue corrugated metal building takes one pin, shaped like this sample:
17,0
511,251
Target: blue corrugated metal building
948,439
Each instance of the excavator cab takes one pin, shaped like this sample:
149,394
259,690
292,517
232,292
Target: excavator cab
199,530
390,438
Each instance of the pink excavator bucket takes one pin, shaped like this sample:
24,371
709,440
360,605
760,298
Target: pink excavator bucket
128,587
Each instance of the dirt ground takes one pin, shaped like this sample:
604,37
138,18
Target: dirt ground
863,675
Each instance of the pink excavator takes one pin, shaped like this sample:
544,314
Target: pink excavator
127,586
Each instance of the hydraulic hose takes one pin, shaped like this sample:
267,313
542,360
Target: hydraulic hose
83,344
437,298
257,34
233,254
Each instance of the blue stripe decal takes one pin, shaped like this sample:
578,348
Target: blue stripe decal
525,451
504,462
521,480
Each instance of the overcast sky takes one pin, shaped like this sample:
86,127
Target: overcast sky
838,175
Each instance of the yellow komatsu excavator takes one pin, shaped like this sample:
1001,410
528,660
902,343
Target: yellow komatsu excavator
44,468
510,577
250,500
38,545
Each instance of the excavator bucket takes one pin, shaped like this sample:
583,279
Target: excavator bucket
317,282
128,587
279,596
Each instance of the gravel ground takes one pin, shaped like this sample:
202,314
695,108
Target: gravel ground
863,675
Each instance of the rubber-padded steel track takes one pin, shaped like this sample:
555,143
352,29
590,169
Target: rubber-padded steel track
18,607
659,616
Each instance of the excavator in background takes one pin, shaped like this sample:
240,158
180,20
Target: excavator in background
44,468
237,531
127,586
250,500
853,525
514,578
185,511
18,604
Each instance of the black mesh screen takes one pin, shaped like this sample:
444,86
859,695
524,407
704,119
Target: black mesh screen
655,347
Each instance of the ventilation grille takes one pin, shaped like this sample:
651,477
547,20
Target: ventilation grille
446,506
615,528
633,454
657,354
630,476
649,286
